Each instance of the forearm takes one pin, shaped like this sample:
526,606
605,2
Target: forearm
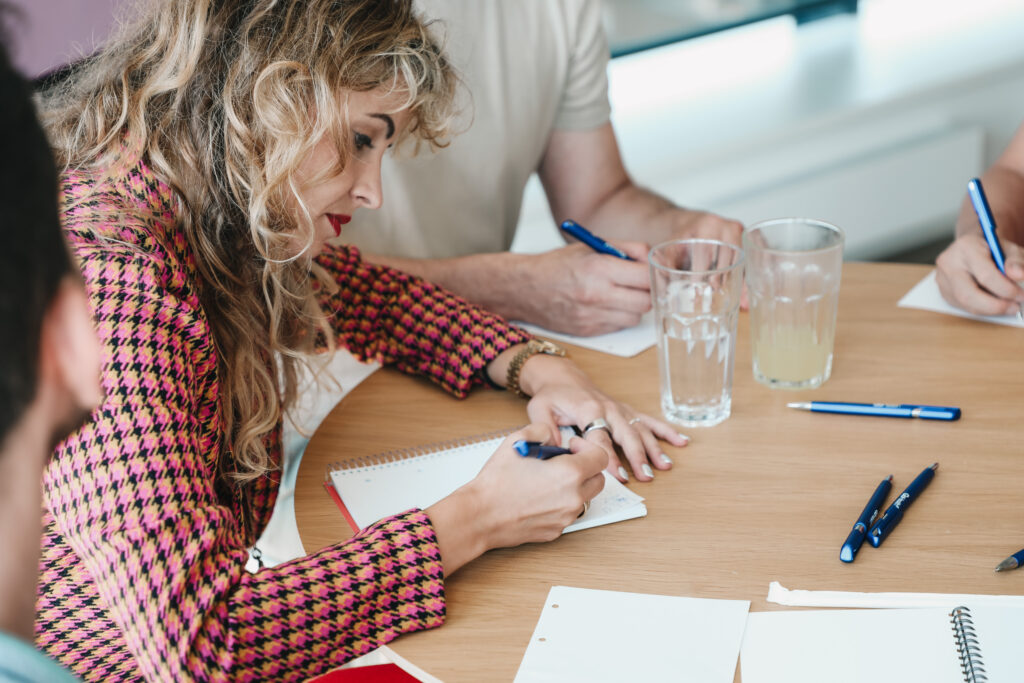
1004,186
632,212
461,531
585,180
492,281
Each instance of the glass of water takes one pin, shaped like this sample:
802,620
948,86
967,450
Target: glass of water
696,286
793,271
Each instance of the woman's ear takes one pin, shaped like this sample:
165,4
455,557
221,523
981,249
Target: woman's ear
71,353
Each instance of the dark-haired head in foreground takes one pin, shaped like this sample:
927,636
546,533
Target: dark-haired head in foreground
49,353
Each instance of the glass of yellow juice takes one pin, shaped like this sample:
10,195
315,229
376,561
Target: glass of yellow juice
793,271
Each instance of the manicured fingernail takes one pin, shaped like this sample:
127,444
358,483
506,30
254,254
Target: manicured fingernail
623,473
647,470
684,436
667,460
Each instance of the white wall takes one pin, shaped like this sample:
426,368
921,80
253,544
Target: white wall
55,32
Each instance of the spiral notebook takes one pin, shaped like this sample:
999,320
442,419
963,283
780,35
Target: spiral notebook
976,644
368,489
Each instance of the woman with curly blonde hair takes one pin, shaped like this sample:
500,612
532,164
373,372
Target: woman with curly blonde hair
209,153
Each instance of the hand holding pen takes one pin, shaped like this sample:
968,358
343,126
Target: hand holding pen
593,241
972,272
988,229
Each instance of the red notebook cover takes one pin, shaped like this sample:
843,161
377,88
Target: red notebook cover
377,673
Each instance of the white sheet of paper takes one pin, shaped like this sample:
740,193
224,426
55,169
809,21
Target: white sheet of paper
926,296
625,343
781,595
595,636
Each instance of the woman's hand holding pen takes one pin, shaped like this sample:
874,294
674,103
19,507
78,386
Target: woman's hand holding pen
564,395
516,500
969,279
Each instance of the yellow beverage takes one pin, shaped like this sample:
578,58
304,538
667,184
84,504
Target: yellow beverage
793,355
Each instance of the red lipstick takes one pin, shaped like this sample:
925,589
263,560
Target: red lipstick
337,220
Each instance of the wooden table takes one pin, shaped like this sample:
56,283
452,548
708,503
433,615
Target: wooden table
769,494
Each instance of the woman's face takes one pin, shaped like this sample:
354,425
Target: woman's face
332,201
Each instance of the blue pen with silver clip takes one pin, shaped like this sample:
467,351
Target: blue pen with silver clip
593,241
535,449
906,410
988,229
888,521
860,529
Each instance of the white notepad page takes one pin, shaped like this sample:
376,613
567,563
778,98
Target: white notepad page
877,646
926,296
625,343
595,636
378,490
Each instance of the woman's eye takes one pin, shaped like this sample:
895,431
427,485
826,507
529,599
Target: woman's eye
363,142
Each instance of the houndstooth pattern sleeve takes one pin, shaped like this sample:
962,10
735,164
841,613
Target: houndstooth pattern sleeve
386,315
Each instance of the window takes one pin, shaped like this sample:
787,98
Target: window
635,25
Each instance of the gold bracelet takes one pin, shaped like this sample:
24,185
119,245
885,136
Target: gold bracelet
532,348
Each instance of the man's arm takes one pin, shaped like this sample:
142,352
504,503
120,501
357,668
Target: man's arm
967,276
585,180
574,289
1004,189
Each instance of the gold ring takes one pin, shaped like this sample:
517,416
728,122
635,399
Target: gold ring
586,506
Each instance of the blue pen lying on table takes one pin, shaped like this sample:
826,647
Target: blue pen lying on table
593,241
908,410
887,522
535,449
988,229
860,529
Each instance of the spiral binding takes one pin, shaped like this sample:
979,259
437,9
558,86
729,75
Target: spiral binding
400,454
968,648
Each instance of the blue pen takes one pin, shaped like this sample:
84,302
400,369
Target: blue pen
884,526
593,241
908,410
535,449
860,529
1012,562
988,229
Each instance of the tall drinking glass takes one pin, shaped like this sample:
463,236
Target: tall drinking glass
793,271
696,286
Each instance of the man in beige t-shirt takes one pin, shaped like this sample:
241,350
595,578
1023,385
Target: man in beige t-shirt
537,101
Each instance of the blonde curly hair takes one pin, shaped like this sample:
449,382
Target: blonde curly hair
225,99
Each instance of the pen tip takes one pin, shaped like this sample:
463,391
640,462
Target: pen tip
889,478
934,466
1008,563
